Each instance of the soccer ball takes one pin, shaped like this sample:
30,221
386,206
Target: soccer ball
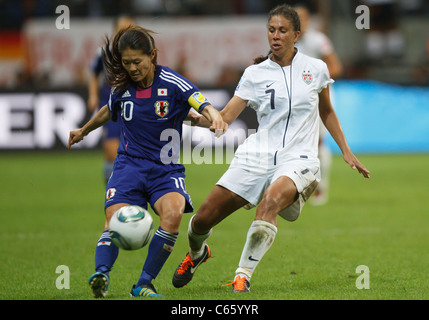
131,227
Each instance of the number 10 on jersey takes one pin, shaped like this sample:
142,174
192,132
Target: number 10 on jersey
127,108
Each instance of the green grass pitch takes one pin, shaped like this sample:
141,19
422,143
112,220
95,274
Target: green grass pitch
52,215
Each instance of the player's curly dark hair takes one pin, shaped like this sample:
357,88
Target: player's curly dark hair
290,14
133,37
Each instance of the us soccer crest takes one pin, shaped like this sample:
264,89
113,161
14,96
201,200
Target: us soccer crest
161,108
307,76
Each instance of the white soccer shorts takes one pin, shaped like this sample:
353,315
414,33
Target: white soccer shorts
252,185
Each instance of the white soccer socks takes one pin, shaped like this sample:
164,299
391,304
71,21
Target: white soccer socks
196,241
260,237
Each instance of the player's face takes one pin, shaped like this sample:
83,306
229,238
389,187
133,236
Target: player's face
281,35
137,64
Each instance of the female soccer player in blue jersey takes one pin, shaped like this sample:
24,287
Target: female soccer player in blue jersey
148,100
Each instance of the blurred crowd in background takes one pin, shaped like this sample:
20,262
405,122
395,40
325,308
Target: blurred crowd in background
395,49
15,12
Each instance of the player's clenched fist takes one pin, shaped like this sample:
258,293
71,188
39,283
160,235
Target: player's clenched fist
75,137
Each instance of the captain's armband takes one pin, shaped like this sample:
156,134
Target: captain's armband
198,101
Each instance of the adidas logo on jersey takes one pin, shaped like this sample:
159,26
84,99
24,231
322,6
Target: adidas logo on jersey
126,94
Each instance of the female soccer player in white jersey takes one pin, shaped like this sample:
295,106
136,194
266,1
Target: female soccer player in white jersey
146,99
275,169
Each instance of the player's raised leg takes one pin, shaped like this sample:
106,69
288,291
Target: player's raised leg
198,253
219,204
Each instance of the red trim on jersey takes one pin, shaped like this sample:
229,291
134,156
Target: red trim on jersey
143,93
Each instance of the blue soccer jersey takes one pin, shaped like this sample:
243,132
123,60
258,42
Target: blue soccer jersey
151,119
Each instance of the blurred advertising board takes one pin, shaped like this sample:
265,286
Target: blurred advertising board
376,118
43,120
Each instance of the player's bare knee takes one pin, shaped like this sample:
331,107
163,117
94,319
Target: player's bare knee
110,211
170,220
277,201
269,203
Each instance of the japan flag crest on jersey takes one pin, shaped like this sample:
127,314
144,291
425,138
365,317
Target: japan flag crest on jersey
307,77
161,108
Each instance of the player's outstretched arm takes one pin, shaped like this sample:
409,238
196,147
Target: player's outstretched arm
196,120
354,163
100,118
217,125
332,123
231,111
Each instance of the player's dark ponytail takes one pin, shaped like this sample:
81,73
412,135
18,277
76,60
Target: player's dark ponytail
290,14
133,37
260,59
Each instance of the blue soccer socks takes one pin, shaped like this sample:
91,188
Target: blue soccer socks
106,253
159,250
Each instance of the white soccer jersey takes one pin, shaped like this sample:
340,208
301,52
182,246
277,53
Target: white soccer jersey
286,103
